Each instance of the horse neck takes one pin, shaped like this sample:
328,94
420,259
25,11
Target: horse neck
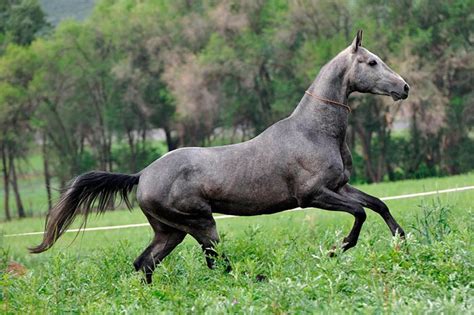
331,84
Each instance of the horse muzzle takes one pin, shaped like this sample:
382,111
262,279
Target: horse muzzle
403,94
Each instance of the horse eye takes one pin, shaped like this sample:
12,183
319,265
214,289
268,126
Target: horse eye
372,63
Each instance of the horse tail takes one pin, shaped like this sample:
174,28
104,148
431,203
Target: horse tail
92,188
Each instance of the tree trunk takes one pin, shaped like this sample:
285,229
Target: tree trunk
14,182
365,139
108,148
133,151
47,175
263,91
169,139
416,149
383,161
6,184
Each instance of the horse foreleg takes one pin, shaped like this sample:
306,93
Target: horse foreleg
329,200
346,159
374,204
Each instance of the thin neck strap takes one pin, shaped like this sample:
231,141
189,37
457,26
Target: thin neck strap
329,101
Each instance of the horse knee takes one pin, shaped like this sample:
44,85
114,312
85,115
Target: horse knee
360,215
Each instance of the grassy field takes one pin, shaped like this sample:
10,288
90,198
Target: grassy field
431,272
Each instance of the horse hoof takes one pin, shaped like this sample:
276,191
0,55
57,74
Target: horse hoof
147,279
136,266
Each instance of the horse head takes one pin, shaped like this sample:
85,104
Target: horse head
367,73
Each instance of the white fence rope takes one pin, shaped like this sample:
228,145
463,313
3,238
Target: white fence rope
116,227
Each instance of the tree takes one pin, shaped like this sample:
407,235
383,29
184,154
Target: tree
20,21
92,91
62,117
17,105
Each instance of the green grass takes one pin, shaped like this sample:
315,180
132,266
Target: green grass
380,275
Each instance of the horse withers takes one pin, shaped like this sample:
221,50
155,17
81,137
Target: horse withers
300,161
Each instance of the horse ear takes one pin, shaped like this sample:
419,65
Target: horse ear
357,41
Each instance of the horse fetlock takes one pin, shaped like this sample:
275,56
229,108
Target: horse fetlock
141,264
137,264
147,270
348,243
212,257
400,232
148,277
211,262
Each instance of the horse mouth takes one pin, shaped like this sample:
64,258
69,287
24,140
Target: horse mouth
397,96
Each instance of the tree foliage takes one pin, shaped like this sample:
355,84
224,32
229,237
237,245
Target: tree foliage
208,72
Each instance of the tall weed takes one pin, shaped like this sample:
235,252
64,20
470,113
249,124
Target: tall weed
432,224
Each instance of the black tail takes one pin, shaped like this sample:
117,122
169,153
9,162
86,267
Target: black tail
80,196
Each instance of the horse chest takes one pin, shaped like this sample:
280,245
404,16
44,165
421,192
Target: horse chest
316,171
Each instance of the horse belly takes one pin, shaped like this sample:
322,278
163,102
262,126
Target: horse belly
249,209
261,196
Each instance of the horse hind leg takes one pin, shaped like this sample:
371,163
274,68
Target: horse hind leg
193,215
206,235
165,240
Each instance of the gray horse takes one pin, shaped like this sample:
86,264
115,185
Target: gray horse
300,161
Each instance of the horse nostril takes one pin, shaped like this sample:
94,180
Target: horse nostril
406,88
